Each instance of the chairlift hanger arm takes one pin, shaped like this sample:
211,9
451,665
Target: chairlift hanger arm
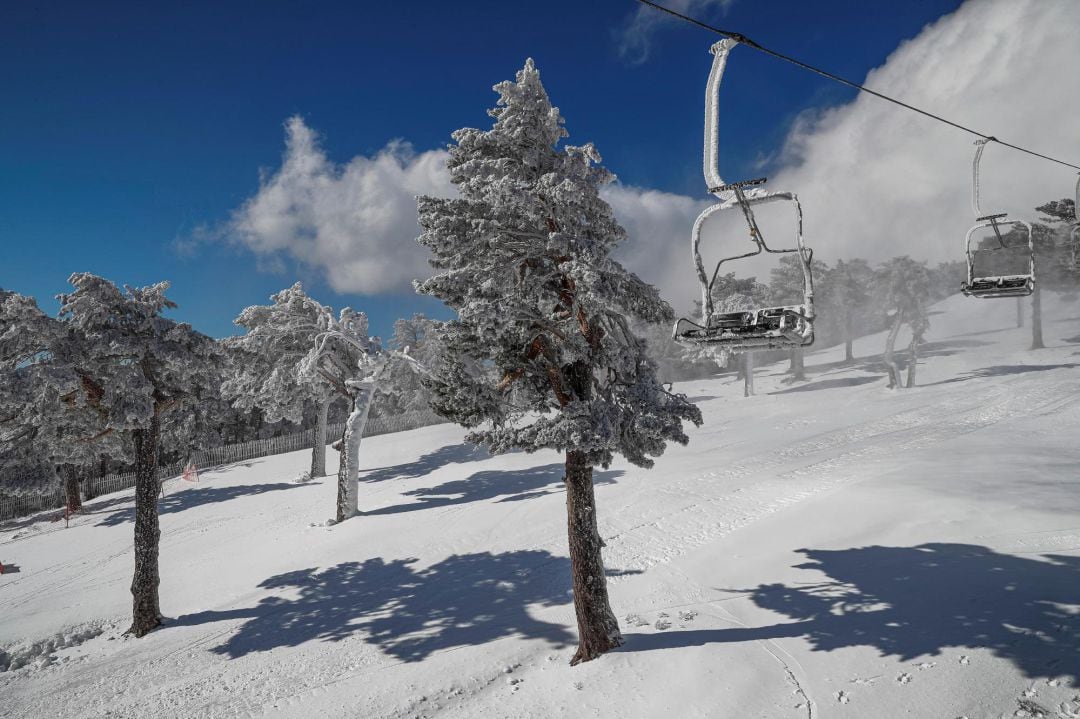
711,159
980,146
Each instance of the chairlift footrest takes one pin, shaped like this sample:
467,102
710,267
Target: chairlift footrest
992,217
766,328
733,185
1002,286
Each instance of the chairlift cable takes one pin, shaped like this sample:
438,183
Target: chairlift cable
739,37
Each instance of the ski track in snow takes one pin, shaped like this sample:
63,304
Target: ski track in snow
659,539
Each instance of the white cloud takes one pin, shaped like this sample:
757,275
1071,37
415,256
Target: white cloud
354,222
634,38
877,180
658,243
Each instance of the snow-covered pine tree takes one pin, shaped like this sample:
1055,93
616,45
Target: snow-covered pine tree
786,281
415,345
846,295
211,423
44,421
136,365
279,336
903,293
1060,218
674,361
347,359
417,334
33,381
736,294
1055,254
523,257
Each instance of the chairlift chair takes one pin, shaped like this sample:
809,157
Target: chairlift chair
760,328
986,284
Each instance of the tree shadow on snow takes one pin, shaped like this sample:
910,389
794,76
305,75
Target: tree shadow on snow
196,497
913,601
408,612
500,485
876,364
450,454
829,384
1003,370
941,348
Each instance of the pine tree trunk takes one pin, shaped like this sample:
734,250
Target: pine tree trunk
1036,319
849,339
71,489
344,510
798,364
318,449
913,360
890,343
89,487
1019,311
748,376
598,630
144,584
349,467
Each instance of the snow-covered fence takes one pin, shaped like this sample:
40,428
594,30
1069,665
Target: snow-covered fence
20,505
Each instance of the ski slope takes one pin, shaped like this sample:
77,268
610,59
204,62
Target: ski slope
825,549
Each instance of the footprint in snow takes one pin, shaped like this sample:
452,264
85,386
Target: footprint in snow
842,697
663,624
636,621
687,616
923,666
1031,710
1070,710
904,678
965,659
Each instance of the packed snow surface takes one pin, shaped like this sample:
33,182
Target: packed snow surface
824,549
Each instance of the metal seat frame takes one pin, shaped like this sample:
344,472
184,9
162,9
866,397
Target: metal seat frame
990,286
762,328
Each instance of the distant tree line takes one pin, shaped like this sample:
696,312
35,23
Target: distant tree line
853,298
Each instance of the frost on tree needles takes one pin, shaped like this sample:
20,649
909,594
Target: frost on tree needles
541,354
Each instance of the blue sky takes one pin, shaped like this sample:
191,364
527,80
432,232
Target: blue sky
125,127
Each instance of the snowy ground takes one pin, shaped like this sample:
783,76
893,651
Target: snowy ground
829,549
